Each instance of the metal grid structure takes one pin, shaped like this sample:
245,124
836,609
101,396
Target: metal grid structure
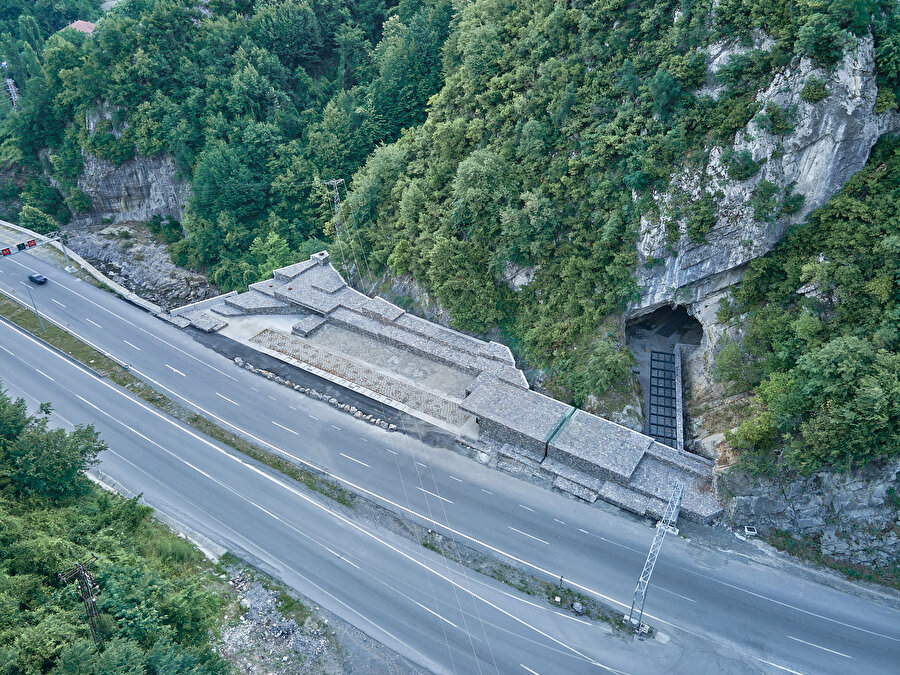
663,417
667,524
12,91
85,589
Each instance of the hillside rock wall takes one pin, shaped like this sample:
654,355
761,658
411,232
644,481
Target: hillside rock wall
830,141
135,191
854,515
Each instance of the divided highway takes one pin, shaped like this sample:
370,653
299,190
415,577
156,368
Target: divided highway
721,610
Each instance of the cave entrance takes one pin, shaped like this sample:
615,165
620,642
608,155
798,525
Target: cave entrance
653,339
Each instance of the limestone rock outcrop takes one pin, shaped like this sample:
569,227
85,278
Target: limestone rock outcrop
853,516
830,140
135,191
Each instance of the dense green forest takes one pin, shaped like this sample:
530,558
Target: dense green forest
822,339
156,603
478,134
257,102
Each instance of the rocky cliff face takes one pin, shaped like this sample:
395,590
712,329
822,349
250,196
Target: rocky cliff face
852,516
136,191
129,254
814,149
830,141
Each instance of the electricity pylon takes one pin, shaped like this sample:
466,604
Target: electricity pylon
85,587
667,524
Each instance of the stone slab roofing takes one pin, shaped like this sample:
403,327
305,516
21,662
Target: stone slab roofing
379,308
582,454
307,325
292,271
258,302
523,411
588,442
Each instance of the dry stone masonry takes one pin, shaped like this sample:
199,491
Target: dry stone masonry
577,452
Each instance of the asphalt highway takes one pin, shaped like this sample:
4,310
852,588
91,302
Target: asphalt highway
722,605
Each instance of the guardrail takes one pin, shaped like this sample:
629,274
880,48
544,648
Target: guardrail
133,298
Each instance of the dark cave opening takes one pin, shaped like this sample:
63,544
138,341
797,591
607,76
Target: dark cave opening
653,339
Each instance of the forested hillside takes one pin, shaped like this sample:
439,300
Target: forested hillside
485,138
256,101
156,602
822,332
557,123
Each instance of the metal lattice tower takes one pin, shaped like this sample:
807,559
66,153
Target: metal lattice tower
336,199
85,587
667,524
13,92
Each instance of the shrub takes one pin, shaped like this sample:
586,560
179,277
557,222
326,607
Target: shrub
731,368
821,39
740,165
765,202
776,120
814,90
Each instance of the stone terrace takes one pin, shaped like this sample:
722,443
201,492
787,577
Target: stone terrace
577,452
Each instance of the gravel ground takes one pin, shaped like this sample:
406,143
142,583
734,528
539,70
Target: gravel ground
129,254
271,630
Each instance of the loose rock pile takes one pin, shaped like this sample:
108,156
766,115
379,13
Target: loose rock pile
263,641
312,393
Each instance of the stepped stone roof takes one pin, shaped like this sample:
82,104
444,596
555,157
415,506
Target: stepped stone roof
586,455
595,441
522,410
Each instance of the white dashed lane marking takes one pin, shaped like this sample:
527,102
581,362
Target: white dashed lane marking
824,649
530,536
443,499
227,399
58,302
458,480
174,370
131,345
527,508
281,426
93,322
353,459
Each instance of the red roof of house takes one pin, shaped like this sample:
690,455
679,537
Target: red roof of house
83,26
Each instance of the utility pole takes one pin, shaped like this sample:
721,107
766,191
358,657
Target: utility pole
667,524
85,587
36,312
336,201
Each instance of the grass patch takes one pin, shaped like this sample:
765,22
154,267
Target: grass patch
807,548
523,581
115,372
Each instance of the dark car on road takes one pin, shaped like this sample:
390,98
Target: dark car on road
37,278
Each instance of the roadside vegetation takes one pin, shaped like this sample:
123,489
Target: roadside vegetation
821,346
159,600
